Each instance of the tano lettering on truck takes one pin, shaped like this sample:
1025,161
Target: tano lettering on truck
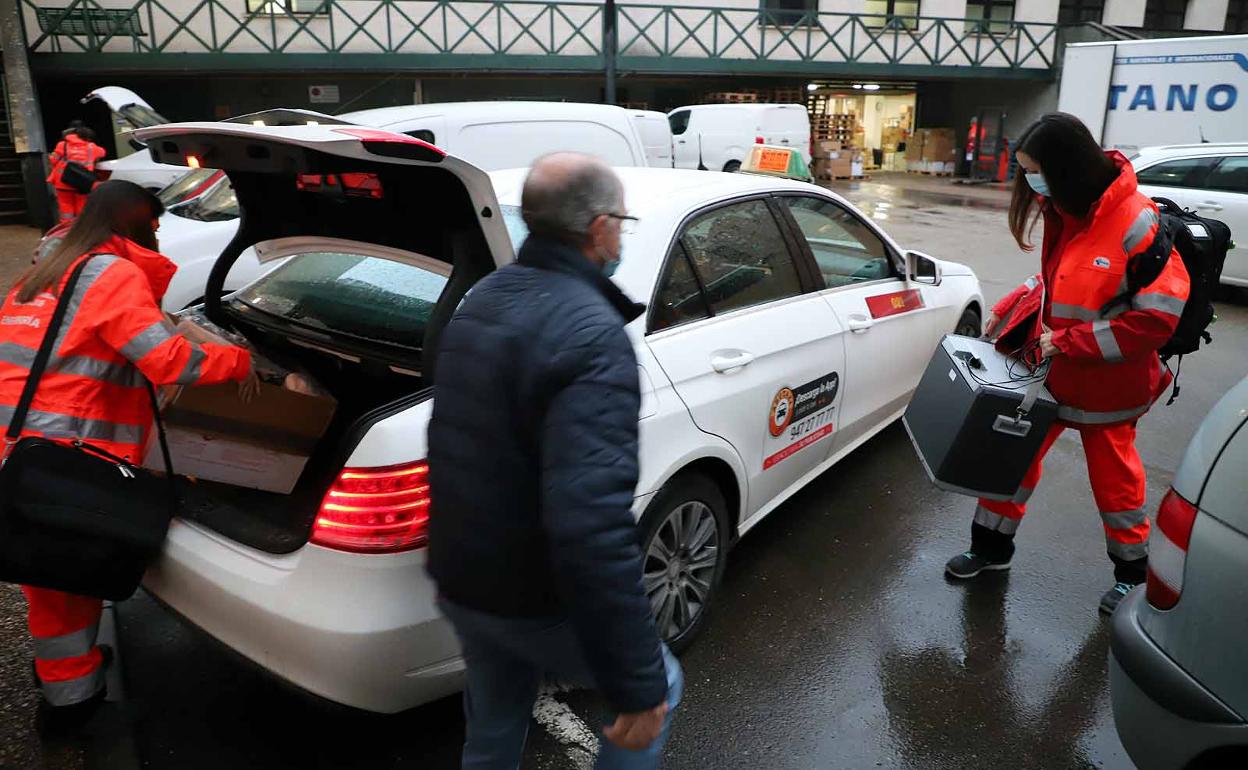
1177,96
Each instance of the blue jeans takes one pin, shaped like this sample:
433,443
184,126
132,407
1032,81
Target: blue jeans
507,659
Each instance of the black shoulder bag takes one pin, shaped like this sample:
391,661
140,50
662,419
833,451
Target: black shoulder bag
74,517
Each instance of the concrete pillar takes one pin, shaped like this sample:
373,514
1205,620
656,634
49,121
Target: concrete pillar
1206,15
25,120
1123,13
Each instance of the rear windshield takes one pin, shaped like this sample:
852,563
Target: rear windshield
139,116
365,297
219,204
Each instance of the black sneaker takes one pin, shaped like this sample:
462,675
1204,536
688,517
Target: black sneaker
1114,596
969,564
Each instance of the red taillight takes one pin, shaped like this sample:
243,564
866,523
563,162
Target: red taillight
103,174
375,510
759,140
1167,550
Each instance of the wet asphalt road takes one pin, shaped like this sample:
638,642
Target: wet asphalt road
836,641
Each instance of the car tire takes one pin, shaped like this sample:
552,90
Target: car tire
681,593
970,324
732,166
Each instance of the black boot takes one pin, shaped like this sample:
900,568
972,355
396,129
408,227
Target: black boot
990,551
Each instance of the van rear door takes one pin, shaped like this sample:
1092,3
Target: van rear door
787,125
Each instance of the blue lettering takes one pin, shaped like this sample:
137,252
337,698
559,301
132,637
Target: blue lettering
1114,93
1144,98
1225,90
1186,100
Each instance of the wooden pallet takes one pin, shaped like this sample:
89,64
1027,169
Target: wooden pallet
788,96
828,178
929,173
731,97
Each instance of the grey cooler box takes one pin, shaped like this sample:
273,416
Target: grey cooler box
965,421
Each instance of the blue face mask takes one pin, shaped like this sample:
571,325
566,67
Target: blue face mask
609,268
1038,183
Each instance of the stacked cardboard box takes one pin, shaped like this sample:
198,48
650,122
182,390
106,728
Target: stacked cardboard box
834,160
940,151
914,148
891,137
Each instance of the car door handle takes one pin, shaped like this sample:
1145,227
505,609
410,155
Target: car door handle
730,360
860,323
1211,205
784,141
680,141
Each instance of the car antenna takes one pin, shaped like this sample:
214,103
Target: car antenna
701,165
1201,129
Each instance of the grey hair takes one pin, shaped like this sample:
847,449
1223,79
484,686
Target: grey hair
565,192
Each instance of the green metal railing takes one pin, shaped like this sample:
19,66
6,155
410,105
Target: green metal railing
523,35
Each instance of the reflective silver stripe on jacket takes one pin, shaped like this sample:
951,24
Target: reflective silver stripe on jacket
1103,333
90,274
1126,551
1073,312
1031,283
190,374
81,366
55,425
73,691
1160,302
1081,417
1022,495
995,521
1139,230
72,645
148,340
1124,519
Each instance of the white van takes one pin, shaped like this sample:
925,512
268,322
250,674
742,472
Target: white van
718,136
498,135
656,137
133,162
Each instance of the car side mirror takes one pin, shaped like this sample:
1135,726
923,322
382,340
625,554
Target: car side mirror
920,268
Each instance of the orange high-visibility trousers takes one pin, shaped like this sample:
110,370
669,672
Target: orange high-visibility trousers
1118,485
70,202
67,661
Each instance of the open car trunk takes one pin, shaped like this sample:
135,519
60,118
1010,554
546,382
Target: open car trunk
333,202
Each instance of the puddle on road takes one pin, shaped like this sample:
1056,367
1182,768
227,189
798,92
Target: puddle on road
887,201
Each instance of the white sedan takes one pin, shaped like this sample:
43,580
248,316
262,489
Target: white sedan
1210,179
784,330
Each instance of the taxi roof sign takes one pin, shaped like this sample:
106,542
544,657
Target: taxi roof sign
776,161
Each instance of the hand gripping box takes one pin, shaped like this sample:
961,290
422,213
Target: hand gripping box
969,421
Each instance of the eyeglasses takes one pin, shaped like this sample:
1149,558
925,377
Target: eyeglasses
621,217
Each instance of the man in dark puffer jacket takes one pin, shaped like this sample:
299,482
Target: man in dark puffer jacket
533,464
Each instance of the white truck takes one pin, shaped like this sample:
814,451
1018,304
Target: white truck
1137,93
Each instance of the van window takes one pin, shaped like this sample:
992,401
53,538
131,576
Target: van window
366,297
679,121
493,146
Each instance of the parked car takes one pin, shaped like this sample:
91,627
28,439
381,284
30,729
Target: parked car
719,136
496,135
133,163
768,297
656,137
1212,180
1178,673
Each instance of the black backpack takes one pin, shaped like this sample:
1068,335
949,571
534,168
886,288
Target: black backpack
1202,244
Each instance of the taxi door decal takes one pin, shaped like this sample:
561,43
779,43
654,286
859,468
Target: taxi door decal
800,417
895,303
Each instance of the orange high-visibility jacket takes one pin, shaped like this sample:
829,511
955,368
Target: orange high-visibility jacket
113,336
1108,371
77,149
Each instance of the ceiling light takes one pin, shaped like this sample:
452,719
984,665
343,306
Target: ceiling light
857,86
870,86
812,86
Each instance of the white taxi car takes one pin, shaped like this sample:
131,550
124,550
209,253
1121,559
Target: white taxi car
784,330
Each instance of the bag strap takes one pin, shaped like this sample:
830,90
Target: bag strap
160,430
44,354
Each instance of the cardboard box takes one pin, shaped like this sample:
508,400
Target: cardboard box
914,146
262,444
940,145
827,148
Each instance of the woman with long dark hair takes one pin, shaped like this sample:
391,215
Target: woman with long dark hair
114,339
1104,369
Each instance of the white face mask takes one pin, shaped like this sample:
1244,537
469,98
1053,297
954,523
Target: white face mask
1038,183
